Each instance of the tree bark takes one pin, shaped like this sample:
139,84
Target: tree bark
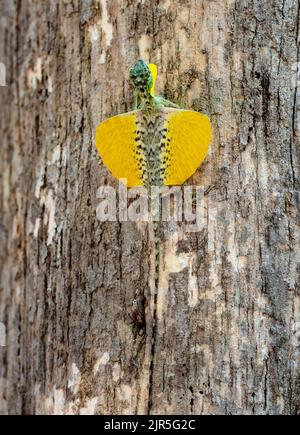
229,303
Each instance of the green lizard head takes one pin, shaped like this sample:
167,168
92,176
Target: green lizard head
142,79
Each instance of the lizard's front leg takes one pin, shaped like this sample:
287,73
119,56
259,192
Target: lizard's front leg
167,103
162,102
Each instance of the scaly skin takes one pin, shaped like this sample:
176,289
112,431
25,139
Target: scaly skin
151,122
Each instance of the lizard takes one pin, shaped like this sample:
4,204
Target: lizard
157,144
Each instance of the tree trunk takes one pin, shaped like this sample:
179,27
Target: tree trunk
228,314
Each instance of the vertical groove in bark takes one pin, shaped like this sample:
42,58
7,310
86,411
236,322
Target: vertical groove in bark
229,303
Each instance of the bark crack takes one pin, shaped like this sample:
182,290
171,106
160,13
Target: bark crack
293,135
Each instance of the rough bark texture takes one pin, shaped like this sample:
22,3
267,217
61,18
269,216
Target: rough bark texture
229,302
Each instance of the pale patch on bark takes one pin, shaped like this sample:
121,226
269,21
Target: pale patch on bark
145,45
74,378
166,4
105,25
50,85
90,407
171,262
102,361
56,155
39,181
116,372
59,400
6,188
193,289
125,395
34,75
36,228
49,218
94,33
55,403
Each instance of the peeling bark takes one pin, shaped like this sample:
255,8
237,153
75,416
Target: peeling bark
228,310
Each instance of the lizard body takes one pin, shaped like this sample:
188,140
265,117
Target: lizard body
155,145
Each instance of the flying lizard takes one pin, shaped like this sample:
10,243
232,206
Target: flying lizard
158,144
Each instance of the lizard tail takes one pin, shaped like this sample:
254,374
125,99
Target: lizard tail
156,226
